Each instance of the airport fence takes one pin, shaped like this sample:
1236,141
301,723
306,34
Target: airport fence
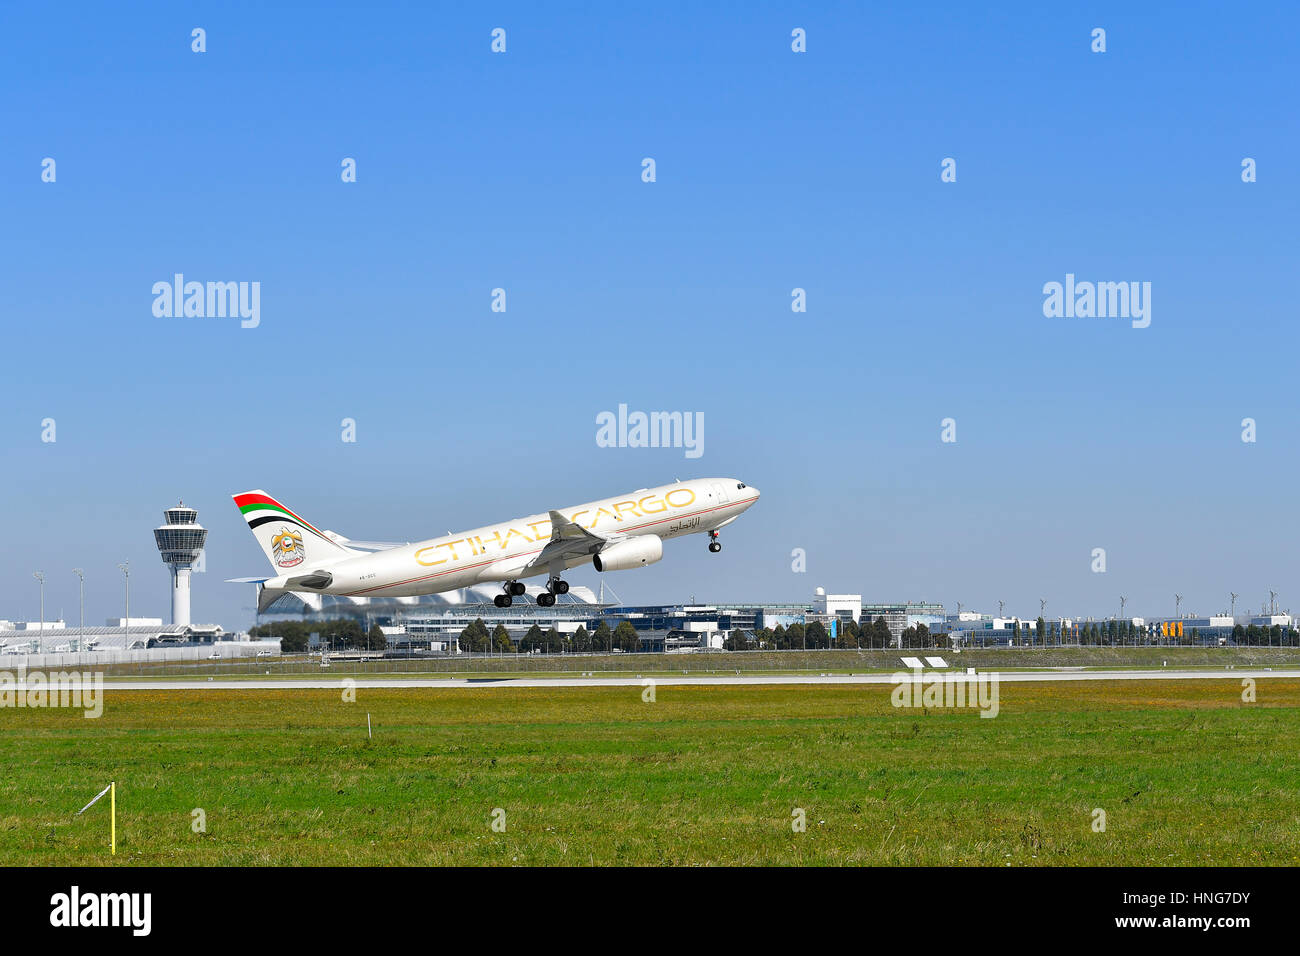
716,662
142,659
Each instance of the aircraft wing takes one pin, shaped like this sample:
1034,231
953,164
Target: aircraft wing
568,540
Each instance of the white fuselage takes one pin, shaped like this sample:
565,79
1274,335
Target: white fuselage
502,552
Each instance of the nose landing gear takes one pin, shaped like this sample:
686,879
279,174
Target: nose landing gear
714,544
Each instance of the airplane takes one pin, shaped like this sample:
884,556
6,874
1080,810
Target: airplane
614,534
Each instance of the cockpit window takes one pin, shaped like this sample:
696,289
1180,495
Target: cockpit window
740,484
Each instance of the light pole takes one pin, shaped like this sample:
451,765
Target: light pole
1178,600
81,629
125,568
40,641
1122,601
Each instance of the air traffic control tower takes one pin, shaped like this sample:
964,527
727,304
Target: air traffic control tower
180,542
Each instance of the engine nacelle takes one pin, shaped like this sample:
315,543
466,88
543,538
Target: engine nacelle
632,553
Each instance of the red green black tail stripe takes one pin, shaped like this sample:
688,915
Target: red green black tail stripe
258,508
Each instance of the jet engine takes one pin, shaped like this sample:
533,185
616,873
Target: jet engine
633,553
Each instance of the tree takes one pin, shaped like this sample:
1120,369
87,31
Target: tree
474,638
881,636
293,635
581,641
736,641
779,639
554,642
794,636
1041,627
626,637
603,638
816,636
533,640
376,640
501,639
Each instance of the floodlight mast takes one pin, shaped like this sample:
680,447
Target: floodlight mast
81,628
40,641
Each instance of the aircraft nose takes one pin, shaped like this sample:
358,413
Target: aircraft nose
756,492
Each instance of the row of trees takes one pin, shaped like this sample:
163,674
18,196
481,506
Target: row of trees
814,636
476,639
1257,636
295,635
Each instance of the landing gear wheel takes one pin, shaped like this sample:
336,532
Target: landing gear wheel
715,546
560,587
546,599
503,600
516,588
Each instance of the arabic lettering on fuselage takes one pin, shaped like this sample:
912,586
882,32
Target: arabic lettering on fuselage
540,530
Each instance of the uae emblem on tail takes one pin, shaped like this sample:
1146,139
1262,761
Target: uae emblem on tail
287,547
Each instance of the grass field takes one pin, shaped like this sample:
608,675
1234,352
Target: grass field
1185,771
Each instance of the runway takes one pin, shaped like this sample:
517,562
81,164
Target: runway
709,680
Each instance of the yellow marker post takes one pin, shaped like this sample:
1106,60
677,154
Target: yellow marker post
112,803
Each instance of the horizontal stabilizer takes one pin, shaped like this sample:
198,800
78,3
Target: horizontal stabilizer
364,545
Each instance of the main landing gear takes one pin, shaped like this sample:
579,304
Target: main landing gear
513,590
714,544
553,587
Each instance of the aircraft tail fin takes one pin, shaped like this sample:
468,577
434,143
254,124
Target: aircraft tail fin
289,542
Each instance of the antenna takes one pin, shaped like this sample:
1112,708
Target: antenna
1178,599
1122,601
1001,605
1042,606
1272,602
1233,612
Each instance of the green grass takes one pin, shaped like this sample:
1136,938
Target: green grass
1186,772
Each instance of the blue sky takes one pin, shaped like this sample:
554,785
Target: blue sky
775,170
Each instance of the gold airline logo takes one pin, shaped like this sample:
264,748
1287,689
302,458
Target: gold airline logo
537,531
286,544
